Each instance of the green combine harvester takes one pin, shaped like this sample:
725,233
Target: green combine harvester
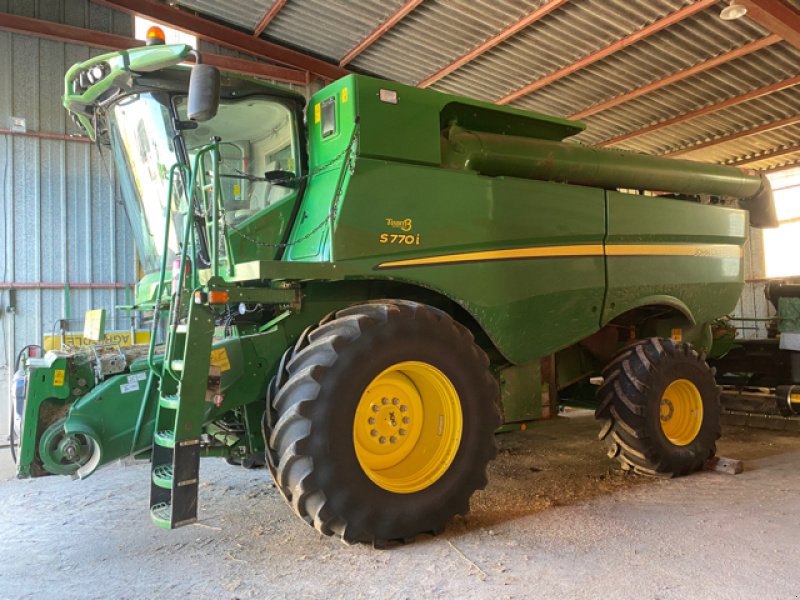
359,290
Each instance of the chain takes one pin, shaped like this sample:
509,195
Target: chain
349,164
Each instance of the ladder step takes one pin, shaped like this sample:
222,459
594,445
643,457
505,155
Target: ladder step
177,365
165,438
170,402
162,476
161,515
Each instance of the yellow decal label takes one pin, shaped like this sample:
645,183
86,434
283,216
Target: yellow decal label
237,189
317,113
399,238
58,378
344,95
401,224
219,358
123,338
677,335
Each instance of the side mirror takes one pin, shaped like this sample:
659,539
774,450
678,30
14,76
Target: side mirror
203,100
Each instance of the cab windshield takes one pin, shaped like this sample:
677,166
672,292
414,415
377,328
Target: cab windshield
259,163
144,150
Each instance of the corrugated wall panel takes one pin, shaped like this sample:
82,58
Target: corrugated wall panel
61,219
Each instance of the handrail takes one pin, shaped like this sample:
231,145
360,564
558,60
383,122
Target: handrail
187,231
152,371
187,242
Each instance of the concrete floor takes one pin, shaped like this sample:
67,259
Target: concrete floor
557,521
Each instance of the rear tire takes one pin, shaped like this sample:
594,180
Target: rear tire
370,481
661,410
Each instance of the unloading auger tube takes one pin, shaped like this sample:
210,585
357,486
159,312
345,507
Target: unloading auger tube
496,155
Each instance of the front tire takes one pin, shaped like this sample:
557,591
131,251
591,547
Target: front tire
382,422
660,407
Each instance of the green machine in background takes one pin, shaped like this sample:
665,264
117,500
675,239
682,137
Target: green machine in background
360,289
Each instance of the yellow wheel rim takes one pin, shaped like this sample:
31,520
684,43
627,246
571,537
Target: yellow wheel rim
681,412
407,427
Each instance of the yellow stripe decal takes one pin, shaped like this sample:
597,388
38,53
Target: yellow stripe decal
576,251
710,250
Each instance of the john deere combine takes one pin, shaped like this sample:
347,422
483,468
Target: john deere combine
362,288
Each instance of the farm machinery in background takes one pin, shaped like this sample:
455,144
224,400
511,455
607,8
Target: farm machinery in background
761,376
359,290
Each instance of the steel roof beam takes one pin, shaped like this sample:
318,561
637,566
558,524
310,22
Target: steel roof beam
636,36
493,41
712,108
267,18
393,20
110,41
765,156
223,35
680,75
735,136
775,16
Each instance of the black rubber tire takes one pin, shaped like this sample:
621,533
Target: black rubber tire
630,405
311,451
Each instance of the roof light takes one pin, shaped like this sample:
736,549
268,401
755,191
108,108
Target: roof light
733,11
155,36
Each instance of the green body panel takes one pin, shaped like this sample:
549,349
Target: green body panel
703,286
515,301
264,227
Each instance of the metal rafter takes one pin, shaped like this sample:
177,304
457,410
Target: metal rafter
224,36
735,136
765,156
493,41
636,36
110,41
712,108
393,20
267,18
775,16
680,75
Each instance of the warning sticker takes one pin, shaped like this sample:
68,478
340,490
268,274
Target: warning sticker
219,358
317,113
131,386
677,335
58,378
133,382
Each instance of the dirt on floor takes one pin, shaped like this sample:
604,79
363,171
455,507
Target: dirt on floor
557,520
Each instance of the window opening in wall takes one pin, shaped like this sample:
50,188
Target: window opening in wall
782,245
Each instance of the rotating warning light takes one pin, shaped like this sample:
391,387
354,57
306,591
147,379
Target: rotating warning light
155,36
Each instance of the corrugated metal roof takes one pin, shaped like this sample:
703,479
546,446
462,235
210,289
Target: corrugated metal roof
243,13
439,31
329,28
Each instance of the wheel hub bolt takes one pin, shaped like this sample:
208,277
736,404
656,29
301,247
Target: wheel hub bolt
382,440
393,440
374,433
